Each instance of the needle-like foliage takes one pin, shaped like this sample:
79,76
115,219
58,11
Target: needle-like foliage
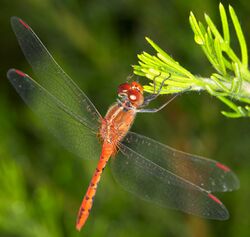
230,81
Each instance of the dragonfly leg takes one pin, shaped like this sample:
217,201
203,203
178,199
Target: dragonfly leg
154,110
129,77
153,96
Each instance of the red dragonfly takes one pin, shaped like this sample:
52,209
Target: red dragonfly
144,167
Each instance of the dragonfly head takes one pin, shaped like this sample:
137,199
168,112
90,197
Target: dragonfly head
133,92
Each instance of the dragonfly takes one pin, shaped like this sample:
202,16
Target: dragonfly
150,170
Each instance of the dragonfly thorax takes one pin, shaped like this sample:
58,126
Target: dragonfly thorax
116,123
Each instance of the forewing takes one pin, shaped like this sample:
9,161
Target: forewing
71,130
153,183
207,174
51,76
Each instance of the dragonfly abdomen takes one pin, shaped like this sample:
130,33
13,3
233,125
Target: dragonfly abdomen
88,199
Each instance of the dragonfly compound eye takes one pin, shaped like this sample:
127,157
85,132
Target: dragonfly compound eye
136,86
135,97
123,88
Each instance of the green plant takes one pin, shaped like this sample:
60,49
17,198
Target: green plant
230,82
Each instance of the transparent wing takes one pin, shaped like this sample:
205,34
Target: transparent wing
71,130
207,174
153,183
51,76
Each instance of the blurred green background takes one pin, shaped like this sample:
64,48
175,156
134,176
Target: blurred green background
96,42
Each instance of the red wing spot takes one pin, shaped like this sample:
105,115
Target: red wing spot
223,167
214,198
24,24
20,73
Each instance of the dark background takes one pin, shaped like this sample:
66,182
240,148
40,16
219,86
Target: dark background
96,42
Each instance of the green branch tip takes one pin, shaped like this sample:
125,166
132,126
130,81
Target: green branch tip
230,81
